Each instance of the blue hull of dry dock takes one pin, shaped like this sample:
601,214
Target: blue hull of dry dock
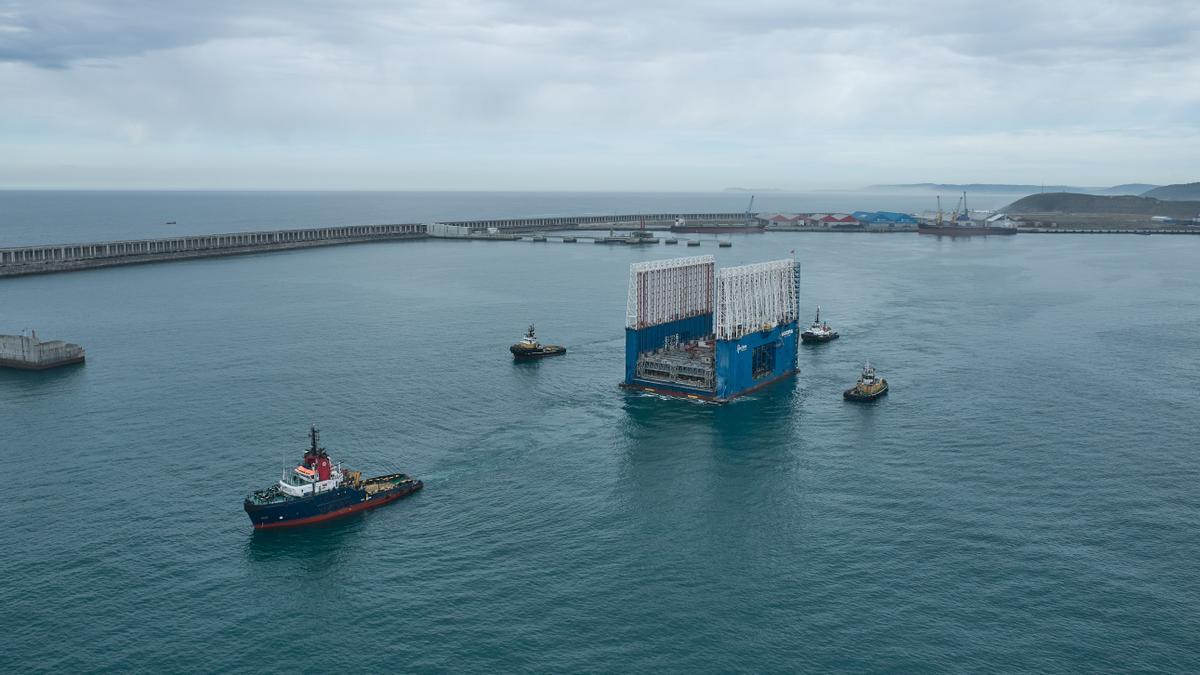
735,360
700,394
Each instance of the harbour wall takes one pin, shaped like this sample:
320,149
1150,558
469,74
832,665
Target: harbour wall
604,222
19,261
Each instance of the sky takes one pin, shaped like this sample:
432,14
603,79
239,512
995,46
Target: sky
616,95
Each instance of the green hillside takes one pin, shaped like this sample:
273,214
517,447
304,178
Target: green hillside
1074,203
1180,192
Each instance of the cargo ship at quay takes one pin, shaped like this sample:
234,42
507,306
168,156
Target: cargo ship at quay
318,490
960,223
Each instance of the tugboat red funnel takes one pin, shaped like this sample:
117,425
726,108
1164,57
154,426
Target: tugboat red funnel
318,490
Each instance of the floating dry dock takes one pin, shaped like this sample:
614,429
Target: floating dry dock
27,352
693,331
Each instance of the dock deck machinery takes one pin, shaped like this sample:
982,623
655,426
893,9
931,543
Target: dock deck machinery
694,331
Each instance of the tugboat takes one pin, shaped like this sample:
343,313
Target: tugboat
818,332
319,490
868,387
529,348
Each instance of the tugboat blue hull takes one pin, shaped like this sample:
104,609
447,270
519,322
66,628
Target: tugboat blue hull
336,503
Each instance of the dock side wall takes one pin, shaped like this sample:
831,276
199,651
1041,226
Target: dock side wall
735,360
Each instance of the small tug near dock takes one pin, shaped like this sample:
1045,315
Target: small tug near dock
529,348
868,388
318,490
818,332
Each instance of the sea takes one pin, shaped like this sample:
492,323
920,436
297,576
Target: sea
1025,499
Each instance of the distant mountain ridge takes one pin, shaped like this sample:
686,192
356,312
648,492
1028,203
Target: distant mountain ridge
1175,193
1005,188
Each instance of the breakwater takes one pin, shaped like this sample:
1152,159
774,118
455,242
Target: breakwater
50,258
629,220
1097,230
71,257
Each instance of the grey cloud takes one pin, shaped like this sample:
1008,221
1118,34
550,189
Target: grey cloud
797,86
57,33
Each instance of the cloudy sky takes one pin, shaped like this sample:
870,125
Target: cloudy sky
621,94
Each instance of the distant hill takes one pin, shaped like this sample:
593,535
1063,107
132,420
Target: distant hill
1001,188
1126,189
1075,203
1005,188
1175,193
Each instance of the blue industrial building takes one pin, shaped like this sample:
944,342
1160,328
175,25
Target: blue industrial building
888,218
696,332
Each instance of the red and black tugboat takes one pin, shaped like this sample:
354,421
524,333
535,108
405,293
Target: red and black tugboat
529,348
319,490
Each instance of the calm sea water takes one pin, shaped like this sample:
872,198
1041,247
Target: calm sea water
1025,499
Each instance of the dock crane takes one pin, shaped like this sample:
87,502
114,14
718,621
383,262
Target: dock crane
960,207
749,208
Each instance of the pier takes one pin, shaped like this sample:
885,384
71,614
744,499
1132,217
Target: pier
44,259
1094,230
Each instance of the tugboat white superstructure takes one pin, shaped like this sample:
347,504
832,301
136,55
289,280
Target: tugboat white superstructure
868,387
319,490
529,348
818,331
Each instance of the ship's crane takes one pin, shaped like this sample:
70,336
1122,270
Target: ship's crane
959,205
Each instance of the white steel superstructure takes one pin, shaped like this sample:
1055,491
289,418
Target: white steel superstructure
755,297
669,290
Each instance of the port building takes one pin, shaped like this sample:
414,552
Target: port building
695,331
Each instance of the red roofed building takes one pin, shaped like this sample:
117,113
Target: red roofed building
842,220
